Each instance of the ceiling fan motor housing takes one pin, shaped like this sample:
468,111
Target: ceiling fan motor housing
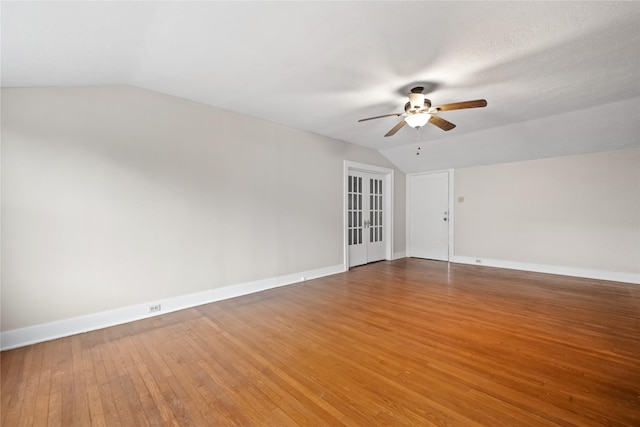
411,107
416,100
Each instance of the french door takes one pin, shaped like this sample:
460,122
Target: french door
365,217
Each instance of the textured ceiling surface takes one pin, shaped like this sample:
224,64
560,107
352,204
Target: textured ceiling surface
321,66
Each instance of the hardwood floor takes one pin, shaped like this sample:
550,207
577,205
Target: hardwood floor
403,343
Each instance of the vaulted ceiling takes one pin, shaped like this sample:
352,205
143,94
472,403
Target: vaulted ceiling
321,66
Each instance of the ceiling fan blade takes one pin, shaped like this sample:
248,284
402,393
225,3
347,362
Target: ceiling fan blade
461,105
396,128
441,123
379,117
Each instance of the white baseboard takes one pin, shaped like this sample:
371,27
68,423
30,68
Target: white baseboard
91,322
551,269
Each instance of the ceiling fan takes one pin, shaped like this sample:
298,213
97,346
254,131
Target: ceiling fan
419,112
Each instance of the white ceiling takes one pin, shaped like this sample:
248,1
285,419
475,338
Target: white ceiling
321,66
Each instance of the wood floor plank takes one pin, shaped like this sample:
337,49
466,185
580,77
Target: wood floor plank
252,381
54,417
41,410
359,379
135,392
404,343
378,353
117,390
193,409
155,377
67,393
78,399
285,391
13,385
109,410
303,395
228,382
143,381
30,397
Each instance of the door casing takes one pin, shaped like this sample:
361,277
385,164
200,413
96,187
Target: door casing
387,175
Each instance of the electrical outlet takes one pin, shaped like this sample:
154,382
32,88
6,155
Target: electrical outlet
155,307
478,261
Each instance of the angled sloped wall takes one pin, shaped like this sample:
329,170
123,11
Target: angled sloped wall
116,196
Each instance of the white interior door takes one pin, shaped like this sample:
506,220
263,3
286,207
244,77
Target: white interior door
365,218
429,216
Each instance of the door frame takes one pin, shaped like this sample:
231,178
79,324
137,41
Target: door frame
387,220
451,210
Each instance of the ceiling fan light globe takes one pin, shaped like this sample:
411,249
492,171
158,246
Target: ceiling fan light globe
417,120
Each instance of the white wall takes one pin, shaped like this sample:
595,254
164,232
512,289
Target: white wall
580,212
115,196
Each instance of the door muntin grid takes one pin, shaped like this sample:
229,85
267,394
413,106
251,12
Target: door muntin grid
354,213
375,210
